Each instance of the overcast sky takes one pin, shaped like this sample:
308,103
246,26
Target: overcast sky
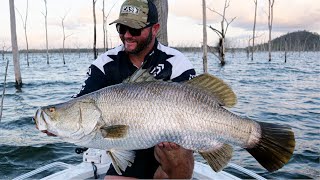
184,22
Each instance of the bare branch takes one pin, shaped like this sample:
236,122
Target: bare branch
228,23
216,31
69,35
112,8
228,4
215,12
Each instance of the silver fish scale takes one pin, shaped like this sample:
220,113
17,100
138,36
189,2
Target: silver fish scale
175,112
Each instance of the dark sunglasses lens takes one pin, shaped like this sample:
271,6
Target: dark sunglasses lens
122,29
135,32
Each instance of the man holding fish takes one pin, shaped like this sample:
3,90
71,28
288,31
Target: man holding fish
131,100
137,27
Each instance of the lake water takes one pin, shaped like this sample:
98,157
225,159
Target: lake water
276,92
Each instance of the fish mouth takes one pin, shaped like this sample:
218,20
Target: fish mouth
41,119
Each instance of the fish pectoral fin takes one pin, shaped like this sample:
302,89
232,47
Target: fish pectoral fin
121,159
141,75
219,157
115,131
216,87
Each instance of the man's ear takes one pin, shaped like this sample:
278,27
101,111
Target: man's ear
155,29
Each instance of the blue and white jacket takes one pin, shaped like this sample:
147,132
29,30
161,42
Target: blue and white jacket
114,66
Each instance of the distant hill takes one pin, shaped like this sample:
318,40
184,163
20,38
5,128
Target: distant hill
296,41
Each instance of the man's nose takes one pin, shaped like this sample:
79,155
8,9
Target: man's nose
127,34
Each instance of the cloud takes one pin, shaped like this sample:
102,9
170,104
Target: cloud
301,14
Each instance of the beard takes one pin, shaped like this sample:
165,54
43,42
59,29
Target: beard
141,45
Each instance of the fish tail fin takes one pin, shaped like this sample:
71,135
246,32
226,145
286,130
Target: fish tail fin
219,157
275,146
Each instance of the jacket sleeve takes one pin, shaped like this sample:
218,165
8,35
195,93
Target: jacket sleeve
95,80
176,68
182,68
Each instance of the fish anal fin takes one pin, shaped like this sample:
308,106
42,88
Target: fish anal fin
219,157
215,87
115,131
275,146
121,159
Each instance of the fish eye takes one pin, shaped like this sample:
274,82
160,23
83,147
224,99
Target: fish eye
52,109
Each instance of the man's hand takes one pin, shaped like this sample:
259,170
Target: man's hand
175,161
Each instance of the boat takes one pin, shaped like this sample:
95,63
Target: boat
96,162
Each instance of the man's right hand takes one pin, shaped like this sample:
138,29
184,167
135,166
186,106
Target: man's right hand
175,161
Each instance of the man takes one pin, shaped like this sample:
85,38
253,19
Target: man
137,27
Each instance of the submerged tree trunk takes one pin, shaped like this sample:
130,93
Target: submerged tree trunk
205,47
162,7
285,49
223,32
64,38
104,28
24,21
46,26
270,21
254,28
94,30
4,89
15,51
222,51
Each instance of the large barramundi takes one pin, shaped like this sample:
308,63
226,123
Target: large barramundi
143,112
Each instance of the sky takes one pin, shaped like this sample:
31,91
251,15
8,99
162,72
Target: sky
184,21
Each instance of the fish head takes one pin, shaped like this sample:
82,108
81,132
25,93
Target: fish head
70,121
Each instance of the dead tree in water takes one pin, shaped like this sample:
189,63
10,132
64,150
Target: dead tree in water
248,48
105,26
285,49
46,26
252,48
4,89
254,27
24,21
14,42
64,38
205,47
270,21
4,49
162,7
94,30
223,32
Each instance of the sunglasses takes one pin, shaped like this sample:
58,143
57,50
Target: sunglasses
122,29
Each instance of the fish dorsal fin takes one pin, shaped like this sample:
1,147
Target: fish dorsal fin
219,157
140,75
121,159
216,87
115,131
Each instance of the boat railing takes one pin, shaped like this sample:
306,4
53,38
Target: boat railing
44,168
246,171
99,159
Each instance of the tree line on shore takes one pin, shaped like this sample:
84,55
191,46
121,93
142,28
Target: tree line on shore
299,41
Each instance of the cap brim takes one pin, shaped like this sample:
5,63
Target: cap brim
130,22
